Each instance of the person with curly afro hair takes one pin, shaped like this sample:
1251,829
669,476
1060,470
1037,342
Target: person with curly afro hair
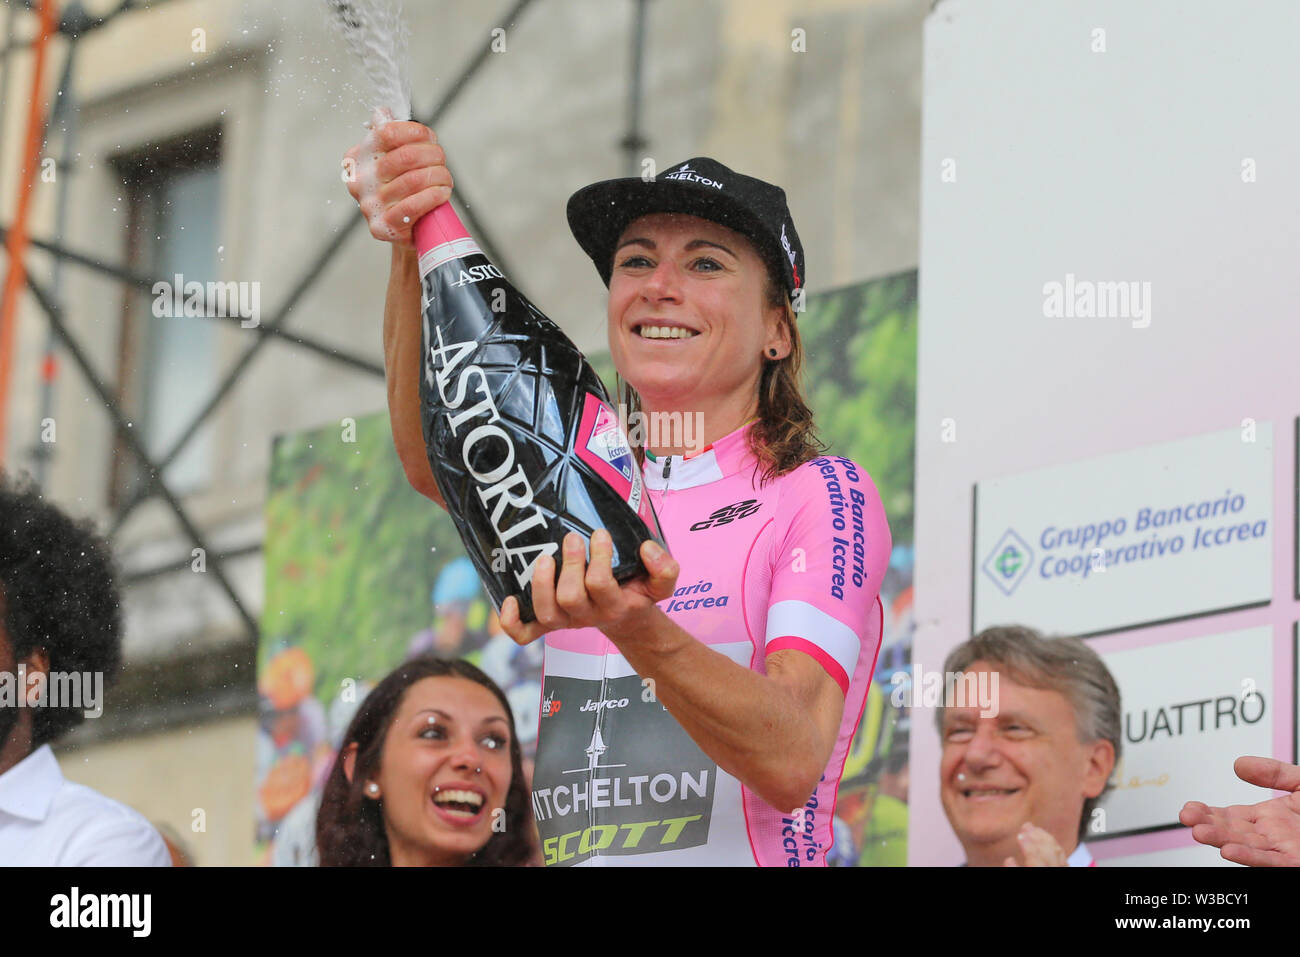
60,642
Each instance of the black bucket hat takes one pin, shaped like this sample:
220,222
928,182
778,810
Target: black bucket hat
701,187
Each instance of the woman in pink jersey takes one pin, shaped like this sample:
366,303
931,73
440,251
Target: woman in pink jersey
701,715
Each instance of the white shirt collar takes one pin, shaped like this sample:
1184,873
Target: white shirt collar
28,788
1081,857
717,460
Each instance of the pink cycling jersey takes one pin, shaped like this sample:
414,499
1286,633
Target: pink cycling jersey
792,564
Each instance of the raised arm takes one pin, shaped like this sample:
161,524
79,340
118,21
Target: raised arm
402,365
397,174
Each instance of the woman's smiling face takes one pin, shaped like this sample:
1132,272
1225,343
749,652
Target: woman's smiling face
444,771
689,323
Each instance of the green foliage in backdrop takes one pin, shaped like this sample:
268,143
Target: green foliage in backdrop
860,379
351,552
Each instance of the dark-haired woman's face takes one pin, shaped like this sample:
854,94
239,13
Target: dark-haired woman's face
444,772
688,324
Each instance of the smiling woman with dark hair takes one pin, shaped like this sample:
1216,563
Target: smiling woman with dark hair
430,774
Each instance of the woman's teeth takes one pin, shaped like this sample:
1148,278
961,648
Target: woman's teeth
461,802
665,332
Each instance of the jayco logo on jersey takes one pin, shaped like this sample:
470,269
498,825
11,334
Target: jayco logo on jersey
597,705
685,172
477,274
728,514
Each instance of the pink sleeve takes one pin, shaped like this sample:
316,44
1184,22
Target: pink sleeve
831,551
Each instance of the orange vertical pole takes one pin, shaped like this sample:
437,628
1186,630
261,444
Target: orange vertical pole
17,239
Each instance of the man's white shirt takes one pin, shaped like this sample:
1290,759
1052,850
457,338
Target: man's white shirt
1081,857
47,820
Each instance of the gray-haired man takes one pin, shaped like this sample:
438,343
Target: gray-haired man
1019,781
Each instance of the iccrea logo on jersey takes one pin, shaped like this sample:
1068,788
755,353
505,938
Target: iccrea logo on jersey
618,776
728,514
685,172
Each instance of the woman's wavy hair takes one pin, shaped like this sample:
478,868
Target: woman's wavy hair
350,827
784,436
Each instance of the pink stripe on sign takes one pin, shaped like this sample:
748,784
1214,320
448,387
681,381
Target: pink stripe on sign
817,654
438,228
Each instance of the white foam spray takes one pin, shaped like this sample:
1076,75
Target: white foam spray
376,37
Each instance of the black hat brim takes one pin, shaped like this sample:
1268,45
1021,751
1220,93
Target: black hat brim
599,213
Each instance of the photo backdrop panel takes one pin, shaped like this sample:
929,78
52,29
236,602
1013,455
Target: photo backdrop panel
1052,339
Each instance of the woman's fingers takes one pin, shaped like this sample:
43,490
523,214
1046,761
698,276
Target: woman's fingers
520,633
663,569
351,159
400,132
600,582
571,592
545,608
412,181
397,174
401,218
412,156
585,593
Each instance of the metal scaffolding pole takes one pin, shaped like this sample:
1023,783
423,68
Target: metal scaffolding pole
633,142
75,21
143,282
151,471
64,112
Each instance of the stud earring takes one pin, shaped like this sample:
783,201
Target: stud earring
772,353
372,787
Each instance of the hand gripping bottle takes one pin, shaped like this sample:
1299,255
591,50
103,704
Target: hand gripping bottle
521,436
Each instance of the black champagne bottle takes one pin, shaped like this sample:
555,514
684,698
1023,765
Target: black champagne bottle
523,441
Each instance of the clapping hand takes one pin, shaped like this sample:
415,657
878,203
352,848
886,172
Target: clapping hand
1266,834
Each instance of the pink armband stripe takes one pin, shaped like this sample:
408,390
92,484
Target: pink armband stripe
832,666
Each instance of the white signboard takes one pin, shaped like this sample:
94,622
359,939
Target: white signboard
1191,708
1168,531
